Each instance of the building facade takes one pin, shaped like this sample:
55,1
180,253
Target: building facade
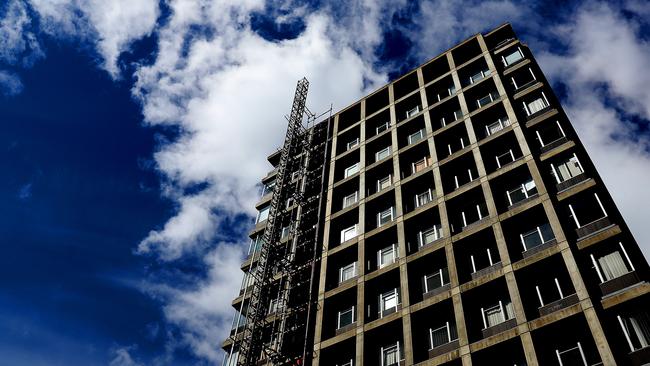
459,221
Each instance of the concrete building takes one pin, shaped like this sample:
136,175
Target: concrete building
457,220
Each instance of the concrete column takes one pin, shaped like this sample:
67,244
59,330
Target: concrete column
529,349
604,350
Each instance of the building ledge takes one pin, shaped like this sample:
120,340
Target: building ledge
558,304
541,117
626,294
444,348
598,236
555,148
575,189
499,328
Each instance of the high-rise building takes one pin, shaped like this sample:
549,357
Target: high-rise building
452,217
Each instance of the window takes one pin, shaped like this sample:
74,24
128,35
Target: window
478,76
232,358
352,144
497,126
572,356
430,235
636,329
612,265
486,100
490,261
536,105
384,183
496,314
537,236
512,57
268,188
505,158
285,232
255,244
423,198
347,272
350,199
436,280
382,127
383,153
274,306
419,165
345,318
388,300
442,335
413,111
522,192
567,169
385,216
263,214
349,233
451,89
386,256
390,355
354,169
416,136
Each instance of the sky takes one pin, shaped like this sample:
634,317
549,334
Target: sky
135,133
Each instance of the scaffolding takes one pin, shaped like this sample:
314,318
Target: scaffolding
279,306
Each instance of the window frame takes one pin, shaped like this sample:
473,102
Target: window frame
380,215
420,133
356,199
345,231
340,312
386,150
394,251
389,177
342,270
413,112
264,211
346,172
429,195
352,144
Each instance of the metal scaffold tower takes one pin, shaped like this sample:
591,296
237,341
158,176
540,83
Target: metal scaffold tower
279,307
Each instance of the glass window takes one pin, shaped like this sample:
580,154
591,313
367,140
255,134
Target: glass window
413,111
513,57
415,137
569,169
255,244
436,280
384,183
268,188
385,216
442,335
388,300
497,126
345,317
354,169
263,214
390,355
637,329
522,192
352,144
419,165
497,314
349,233
386,256
505,158
573,356
423,198
478,76
458,115
451,89
430,235
350,199
347,272
485,100
537,236
536,105
285,232
233,358
612,265
382,127
383,153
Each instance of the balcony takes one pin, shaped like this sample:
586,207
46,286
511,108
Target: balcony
564,185
619,283
443,340
558,304
593,227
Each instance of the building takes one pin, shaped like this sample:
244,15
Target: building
451,217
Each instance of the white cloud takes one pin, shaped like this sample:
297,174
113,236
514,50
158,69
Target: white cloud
605,69
18,44
122,357
10,83
114,24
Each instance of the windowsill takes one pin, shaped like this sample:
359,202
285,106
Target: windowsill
553,144
436,291
538,113
484,271
522,202
566,184
346,328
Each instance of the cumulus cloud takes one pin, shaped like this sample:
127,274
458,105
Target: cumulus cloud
605,73
113,25
18,44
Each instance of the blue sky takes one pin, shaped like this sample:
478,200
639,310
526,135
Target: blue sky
135,132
